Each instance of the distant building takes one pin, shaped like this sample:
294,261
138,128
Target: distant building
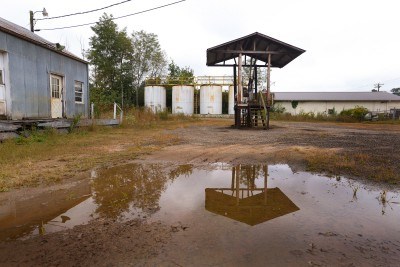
39,79
330,102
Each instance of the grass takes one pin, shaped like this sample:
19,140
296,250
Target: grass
318,117
354,164
46,157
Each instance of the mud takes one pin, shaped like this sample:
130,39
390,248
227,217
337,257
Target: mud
111,219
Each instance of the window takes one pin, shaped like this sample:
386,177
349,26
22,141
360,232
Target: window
1,77
55,86
78,92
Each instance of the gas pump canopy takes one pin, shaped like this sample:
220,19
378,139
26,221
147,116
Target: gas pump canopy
257,46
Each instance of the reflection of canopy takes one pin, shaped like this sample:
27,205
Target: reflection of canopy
252,210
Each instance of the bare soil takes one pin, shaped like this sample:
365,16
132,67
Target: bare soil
357,150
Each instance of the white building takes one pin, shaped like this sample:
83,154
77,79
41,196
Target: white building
330,102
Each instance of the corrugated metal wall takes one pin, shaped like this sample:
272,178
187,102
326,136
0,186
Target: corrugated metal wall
30,67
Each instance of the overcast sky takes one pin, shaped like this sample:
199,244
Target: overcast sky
350,44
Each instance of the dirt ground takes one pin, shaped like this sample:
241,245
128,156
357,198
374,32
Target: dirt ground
362,151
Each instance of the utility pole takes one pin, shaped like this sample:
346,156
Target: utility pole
377,86
32,19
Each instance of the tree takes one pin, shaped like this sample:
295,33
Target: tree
109,55
248,73
180,75
147,59
395,91
177,75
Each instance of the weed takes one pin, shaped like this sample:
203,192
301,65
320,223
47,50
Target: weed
74,123
355,189
383,198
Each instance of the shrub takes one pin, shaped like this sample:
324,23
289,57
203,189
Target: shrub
358,113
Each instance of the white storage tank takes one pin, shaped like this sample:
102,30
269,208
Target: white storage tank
182,99
211,99
231,100
155,98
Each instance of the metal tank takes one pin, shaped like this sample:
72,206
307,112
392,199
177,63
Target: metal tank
211,99
231,100
182,99
155,98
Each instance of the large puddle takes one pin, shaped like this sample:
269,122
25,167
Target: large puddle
242,206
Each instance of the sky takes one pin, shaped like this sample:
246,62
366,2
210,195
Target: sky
350,44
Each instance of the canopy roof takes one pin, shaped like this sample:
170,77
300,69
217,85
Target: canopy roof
255,45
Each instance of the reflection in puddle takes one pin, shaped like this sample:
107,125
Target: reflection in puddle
271,198
133,188
248,203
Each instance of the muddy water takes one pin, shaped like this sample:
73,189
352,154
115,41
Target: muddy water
229,215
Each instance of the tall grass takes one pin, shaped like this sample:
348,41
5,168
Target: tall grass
145,117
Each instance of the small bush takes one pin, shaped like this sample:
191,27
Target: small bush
277,108
358,113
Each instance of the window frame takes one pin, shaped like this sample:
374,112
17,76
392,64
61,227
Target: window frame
2,80
81,92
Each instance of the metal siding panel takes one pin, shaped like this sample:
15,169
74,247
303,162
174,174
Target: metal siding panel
3,41
29,67
17,84
30,81
43,82
80,109
70,74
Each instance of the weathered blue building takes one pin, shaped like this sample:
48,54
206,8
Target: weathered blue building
39,79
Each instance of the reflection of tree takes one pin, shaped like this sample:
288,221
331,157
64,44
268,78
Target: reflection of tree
249,173
139,186
181,170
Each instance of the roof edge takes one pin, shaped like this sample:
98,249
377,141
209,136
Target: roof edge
43,45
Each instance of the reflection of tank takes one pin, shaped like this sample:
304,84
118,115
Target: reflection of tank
248,204
210,99
155,98
182,99
231,101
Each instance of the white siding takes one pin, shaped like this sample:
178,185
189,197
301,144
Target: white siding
323,107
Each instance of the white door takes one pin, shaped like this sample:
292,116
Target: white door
2,85
56,91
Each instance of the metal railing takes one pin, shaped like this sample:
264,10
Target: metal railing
195,81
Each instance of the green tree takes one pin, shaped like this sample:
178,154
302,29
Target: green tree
109,54
248,73
147,59
396,91
177,75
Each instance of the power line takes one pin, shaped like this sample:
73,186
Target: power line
85,12
90,23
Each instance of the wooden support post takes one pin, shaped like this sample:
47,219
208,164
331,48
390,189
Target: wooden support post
269,80
268,88
255,82
265,168
237,177
240,92
235,90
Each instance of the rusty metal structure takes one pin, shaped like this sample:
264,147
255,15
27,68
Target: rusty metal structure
253,51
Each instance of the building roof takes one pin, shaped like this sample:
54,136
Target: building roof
22,33
257,46
335,96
